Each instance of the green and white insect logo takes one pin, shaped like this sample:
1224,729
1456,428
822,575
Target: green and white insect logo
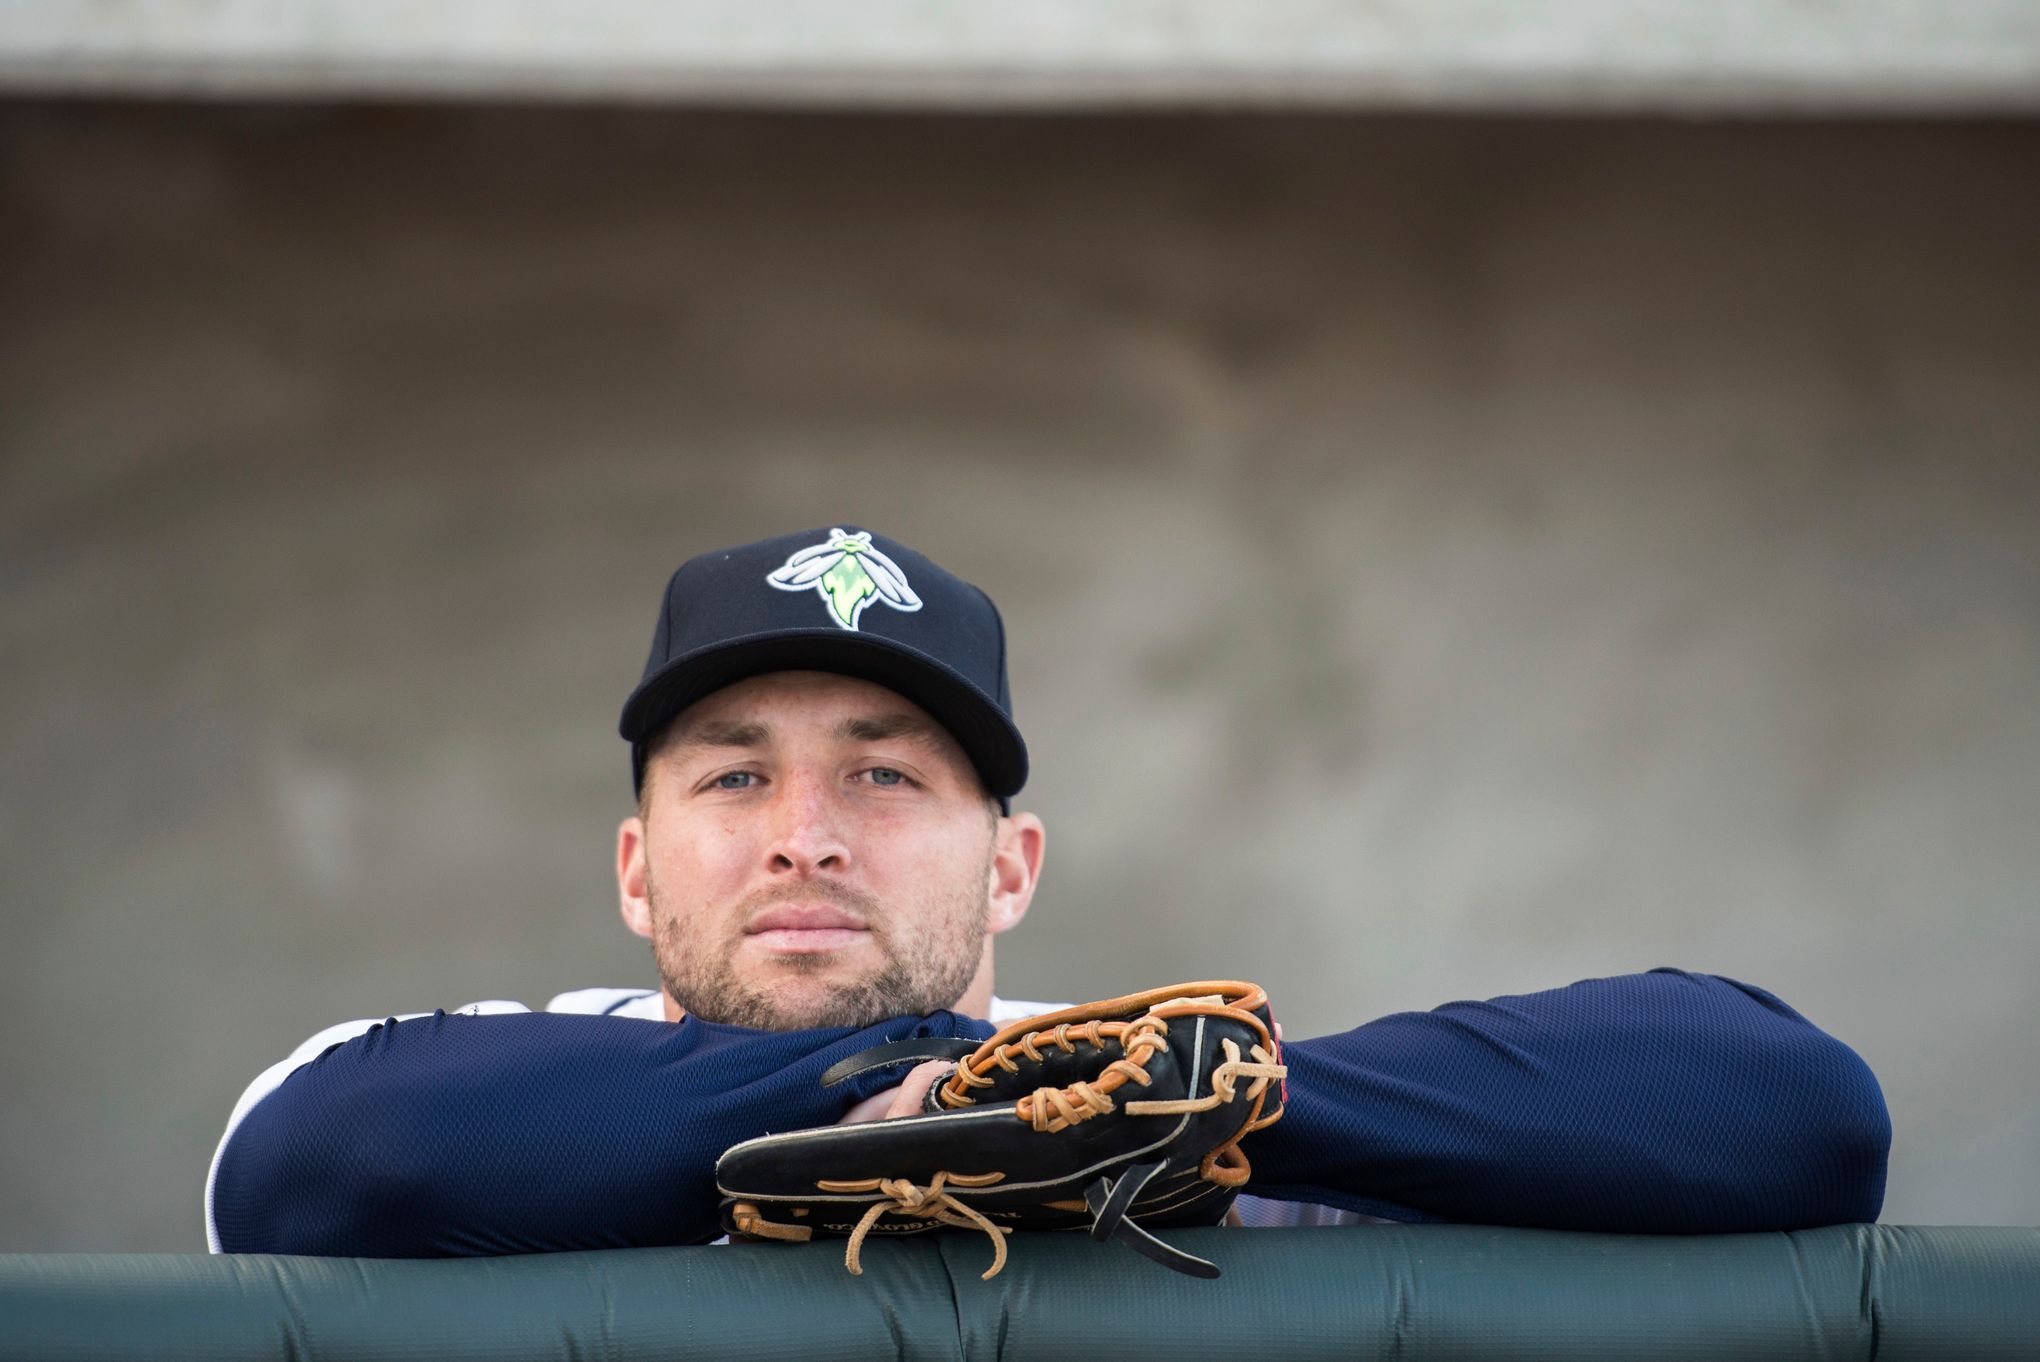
848,574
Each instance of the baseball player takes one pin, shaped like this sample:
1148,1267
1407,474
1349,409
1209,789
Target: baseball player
823,854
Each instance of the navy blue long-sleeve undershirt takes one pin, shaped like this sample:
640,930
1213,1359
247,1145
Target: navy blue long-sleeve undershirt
1664,1102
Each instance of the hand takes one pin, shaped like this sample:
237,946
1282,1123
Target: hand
904,1100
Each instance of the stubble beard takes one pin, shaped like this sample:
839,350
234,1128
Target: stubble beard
919,974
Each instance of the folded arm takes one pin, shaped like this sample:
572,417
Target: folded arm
1658,1103
527,1133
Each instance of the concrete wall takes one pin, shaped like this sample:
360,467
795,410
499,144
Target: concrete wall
1443,558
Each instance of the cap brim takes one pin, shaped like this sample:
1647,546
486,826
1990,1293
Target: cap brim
987,736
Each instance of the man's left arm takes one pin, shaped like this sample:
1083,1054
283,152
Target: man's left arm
1664,1102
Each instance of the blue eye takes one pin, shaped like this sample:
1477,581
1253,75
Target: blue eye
885,775
743,780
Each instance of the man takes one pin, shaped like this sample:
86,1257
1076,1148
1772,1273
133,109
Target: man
823,853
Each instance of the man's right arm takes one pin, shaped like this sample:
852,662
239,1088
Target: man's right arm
525,1133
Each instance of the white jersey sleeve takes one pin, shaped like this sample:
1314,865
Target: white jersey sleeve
1005,1011
647,1004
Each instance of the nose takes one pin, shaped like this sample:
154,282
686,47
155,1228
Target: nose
806,837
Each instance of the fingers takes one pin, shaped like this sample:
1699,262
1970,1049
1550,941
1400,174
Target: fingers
872,1108
903,1100
910,1095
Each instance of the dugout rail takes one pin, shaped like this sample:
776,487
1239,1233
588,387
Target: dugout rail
1412,1293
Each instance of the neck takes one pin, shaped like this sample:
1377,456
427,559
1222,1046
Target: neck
977,999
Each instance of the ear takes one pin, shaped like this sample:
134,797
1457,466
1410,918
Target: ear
1016,868
633,876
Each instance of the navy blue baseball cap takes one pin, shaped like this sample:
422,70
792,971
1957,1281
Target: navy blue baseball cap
834,600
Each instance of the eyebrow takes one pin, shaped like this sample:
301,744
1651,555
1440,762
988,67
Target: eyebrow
880,728
738,733
722,733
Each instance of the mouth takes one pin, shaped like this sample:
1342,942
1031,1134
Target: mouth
802,929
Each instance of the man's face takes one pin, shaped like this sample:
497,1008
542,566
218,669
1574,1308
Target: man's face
816,851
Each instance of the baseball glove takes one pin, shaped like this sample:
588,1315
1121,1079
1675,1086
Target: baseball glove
1109,1117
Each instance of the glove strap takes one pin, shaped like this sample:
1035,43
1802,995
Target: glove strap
1109,1199
896,1052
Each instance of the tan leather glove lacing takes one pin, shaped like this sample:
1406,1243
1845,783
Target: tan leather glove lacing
927,1203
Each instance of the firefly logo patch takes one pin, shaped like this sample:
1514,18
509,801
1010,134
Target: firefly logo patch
848,574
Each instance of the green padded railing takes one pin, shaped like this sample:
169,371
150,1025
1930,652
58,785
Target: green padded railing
1413,1293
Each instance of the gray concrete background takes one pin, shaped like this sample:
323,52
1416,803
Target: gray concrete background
1965,55
1443,558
